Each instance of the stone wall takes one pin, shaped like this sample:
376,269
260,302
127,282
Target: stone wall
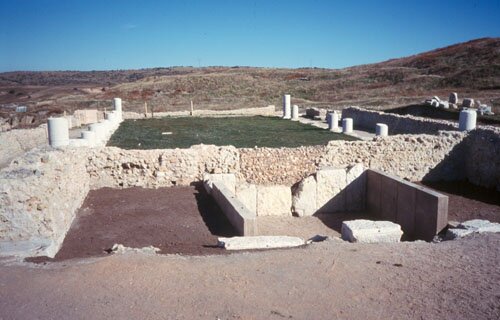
398,124
40,192
284,166
262,111
114,167
482,157
424,157
408,156
87,116
39,196
16,142
415,158
420,211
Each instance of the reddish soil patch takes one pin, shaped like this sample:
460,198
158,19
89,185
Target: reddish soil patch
468,201
183,220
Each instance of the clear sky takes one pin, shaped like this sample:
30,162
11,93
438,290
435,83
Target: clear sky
131,34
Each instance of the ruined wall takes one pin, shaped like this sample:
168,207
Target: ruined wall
39,196
16,142
482,157
398,124
410,157
278,165
262,111
415,158
446,156
114,167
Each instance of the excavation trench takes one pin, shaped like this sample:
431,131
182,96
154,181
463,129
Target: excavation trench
176,220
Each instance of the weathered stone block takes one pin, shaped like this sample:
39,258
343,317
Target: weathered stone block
228,179
238,215
468,103
367,231
259,242
329,189
406,208
431,213
472,226
247,194
453,98
304,197
274,201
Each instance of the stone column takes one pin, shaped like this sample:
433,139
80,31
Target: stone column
347,125
113,119
381,130
98,130
286,106
467,120
295,113
58,132
333,121
117,102
89,137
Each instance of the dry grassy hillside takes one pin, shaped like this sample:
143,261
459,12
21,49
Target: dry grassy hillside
471,68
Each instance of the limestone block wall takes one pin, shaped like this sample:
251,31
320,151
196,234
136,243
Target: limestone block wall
398,124
16,142
330,190
114,167
39,196
420,211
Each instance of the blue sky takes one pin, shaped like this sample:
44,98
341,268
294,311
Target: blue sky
129,34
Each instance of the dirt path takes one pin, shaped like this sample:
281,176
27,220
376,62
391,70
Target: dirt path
328,280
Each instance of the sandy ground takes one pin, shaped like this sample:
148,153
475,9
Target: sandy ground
467,201
306,227
183,220
328,280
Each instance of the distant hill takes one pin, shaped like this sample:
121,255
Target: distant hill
472,69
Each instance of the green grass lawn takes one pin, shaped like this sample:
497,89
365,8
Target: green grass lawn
241,132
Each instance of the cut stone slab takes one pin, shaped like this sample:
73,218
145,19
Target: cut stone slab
259,242
304,197
330,183
367,231
247,194
237,213
480,225
121,249
472,226
274,201
228,179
